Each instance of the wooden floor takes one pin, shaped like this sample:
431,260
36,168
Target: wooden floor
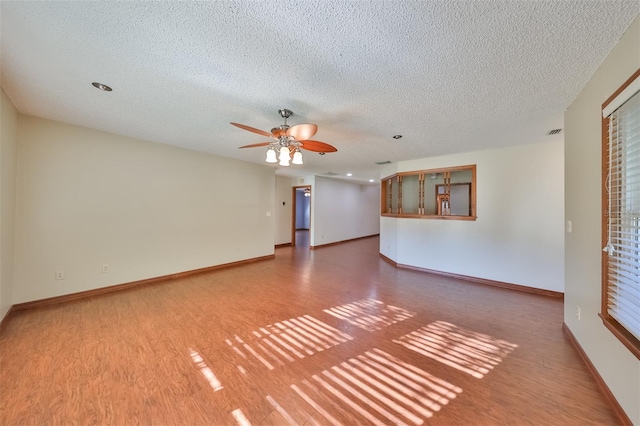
327,336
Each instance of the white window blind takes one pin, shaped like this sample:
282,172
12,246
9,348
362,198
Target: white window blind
623,247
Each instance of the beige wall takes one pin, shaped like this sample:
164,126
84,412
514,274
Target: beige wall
518,236
618,367
284,211
87,198
8,143
343,210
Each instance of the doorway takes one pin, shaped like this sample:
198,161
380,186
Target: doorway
301,217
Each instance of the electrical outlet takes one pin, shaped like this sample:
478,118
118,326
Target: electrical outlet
60,275
578,312
105,268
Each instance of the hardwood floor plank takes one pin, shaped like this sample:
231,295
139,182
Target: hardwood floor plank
330,336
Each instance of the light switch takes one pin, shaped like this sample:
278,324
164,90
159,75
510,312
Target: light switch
268,214
569,226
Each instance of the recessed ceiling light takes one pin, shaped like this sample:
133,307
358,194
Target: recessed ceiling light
397,136
371,180
349,174
102,87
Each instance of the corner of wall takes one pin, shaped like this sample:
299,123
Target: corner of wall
8,165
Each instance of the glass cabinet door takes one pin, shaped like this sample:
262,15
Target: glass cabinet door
395,195
410,194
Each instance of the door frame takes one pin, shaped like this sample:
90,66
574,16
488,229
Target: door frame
294,206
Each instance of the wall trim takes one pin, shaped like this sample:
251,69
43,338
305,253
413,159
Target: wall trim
5,319
282,245
389,260
342,241
125,286
483,281
617,408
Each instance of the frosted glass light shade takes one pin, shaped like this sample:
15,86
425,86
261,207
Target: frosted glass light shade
297,158
284,156
271,155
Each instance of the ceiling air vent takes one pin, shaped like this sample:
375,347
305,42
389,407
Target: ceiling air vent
554,132
331,174
383,162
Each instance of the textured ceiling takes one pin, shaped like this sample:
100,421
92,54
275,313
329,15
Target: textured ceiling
450,76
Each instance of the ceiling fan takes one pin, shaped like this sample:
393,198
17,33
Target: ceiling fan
288,141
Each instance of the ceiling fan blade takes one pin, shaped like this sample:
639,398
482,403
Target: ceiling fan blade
253,145
317,146
252,129
302,132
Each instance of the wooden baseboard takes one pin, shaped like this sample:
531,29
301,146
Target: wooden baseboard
341,242
388,260
5,320
282,245
483,281
126,286
597,377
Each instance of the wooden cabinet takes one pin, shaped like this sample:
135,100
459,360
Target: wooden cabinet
446,193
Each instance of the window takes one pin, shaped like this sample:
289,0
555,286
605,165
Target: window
621,214
448,193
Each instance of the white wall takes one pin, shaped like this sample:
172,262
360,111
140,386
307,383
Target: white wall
518,236
617,366
283,212
87,198
342,210
8,143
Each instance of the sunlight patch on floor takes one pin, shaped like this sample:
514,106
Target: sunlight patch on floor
286,341
282,411
468,351
240,417
201,365
375,388
370,314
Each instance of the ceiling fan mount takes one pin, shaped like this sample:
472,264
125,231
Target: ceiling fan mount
288,140
285,113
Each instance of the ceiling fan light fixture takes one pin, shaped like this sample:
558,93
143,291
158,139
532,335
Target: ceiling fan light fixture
289,141
285,156
272,157
297,157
